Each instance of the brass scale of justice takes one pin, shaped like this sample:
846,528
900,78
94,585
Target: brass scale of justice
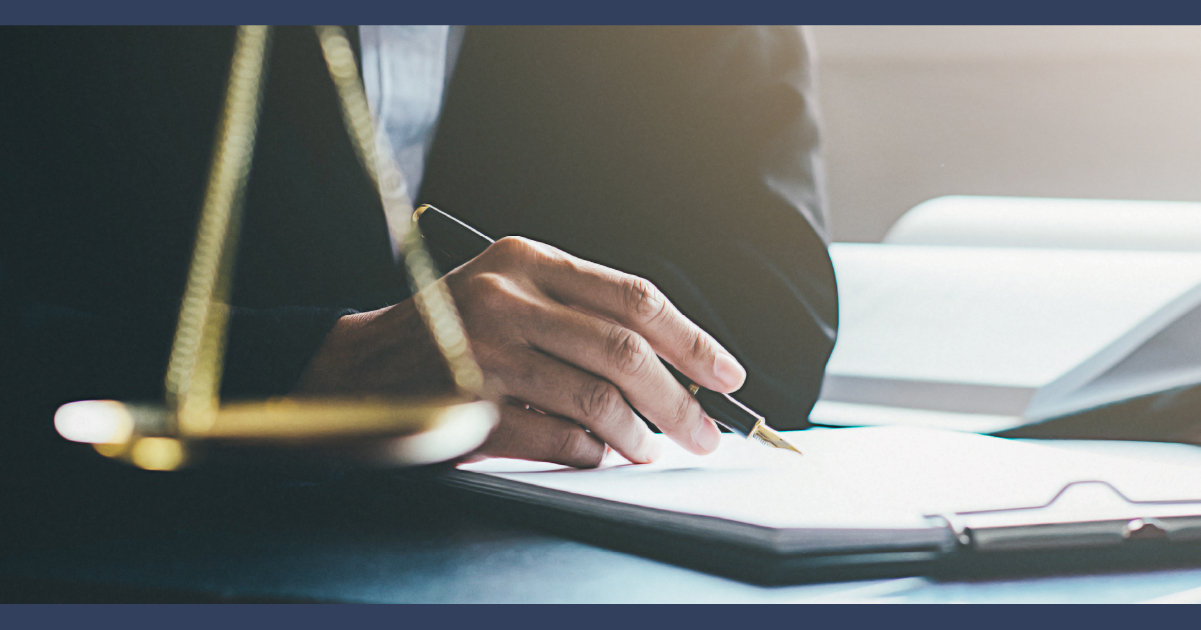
379,431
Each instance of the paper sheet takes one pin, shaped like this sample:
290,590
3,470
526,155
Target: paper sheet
876,477
997,317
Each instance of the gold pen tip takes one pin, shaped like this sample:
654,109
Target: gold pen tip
769,437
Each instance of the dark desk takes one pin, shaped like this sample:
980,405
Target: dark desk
129,535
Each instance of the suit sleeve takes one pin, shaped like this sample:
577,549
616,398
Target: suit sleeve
685,155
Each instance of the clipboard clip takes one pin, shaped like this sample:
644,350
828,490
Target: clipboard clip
1082,514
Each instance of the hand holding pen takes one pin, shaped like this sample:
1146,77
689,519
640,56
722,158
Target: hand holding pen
570,347
454,243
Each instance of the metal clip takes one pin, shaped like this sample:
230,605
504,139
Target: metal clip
1084,513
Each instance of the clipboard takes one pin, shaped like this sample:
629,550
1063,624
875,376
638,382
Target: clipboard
1083,514
1087,522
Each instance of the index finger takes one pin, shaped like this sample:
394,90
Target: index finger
637,304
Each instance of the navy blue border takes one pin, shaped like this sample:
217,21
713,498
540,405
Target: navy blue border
724,617
610,12
599,12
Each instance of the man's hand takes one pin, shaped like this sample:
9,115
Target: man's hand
568,345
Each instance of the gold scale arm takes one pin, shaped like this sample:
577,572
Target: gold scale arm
404,431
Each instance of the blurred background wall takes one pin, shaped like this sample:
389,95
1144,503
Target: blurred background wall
912,113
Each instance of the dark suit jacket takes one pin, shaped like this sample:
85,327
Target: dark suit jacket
686,155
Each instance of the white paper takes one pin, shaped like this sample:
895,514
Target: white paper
878,477
1051,223
1005,317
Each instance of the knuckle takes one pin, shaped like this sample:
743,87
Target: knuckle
628,352
580,449
522,251
701,347
599,400
493,290
684,410
642,299
512,245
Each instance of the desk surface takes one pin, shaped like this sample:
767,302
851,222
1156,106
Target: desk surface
388,538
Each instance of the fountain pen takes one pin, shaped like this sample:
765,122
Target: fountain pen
452,243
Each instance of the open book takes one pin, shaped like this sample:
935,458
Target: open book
857,497
989,314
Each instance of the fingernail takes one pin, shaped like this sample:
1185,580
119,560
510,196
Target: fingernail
706,436
728,371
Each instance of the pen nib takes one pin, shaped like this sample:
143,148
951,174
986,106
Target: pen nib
767,436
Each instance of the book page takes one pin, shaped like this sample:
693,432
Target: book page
877,477
1051,223
1007,319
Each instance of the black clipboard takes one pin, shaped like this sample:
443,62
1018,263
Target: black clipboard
1088,526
